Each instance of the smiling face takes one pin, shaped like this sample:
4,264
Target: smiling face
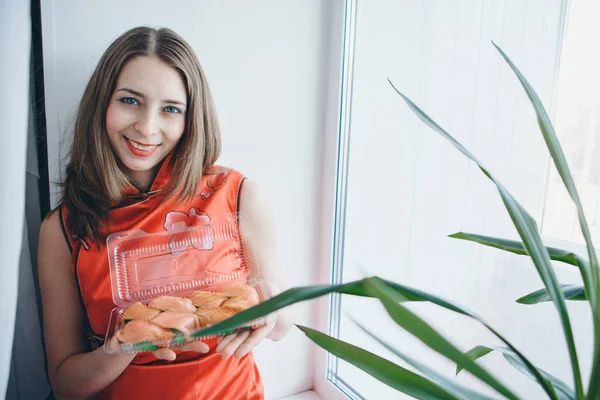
145,117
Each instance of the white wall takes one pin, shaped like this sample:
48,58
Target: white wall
408,188
15,45
264,62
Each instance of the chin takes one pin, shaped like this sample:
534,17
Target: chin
138,167
134,165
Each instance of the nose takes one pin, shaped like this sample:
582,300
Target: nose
148,124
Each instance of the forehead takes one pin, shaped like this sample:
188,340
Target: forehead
152,77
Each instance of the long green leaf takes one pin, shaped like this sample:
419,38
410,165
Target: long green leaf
356,288
515,247
591,277
425,333
474,354
528,231
289,297
563,390
450,385
416,295
571,292
381,369
299,294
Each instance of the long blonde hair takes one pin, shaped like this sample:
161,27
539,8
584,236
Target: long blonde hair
94,178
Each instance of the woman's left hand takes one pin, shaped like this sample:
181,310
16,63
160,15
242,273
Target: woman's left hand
242,342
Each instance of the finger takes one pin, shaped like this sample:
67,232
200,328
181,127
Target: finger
112,345
234,344
225,341
281,328
164,354
220,338
277,334
253,339
197,346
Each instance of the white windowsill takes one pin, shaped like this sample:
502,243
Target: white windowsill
308,395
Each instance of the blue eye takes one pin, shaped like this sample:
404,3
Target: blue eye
129,100
172,110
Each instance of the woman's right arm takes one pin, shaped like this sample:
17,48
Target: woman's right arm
73,370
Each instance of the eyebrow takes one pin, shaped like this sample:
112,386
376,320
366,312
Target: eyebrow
135,92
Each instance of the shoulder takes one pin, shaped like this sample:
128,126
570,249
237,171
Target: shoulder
56,222
51,225
252,196
219,172
253,203
52,243
217,178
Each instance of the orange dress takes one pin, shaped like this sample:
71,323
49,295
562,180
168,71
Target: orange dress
192,375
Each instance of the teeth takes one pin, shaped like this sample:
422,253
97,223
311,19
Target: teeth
141,147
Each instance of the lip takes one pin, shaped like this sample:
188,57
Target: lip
138,152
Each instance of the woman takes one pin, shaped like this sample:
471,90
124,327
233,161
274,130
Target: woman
146,138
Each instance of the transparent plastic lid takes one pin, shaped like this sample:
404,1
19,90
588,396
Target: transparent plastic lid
181,259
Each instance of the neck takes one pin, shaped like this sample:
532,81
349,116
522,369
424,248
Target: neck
142,180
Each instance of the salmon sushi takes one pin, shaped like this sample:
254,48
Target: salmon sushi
185,323
138,331
240,291
173,304
203,299
139,311
240,303
210,316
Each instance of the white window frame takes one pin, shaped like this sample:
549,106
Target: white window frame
336,139
342,18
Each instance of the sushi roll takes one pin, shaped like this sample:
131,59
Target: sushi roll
140,331
173,304
139,311
202,299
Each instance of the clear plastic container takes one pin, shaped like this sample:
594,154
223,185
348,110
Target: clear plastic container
179,262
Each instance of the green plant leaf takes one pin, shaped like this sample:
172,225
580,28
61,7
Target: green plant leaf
416,295
474,354
571,292
528,231
356,288
591,276
564,391
289,297
413,324
303,293
450,385
517,248
381,369
561,166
